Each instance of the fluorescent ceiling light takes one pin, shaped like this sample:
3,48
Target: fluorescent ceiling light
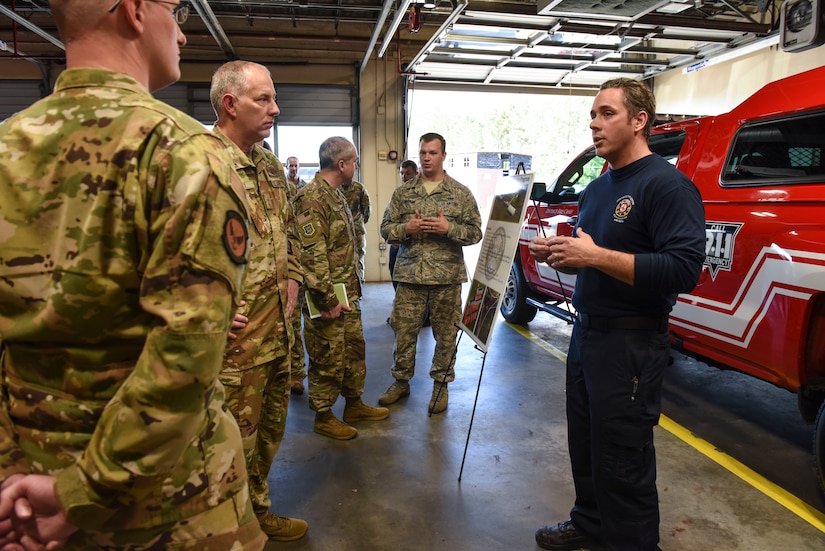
674,7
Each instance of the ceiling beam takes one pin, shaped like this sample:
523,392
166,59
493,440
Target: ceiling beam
439,34
705,24
396,21
376,31
31,26
214,27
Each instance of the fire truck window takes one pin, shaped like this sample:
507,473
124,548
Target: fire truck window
575,178
668,145
781,151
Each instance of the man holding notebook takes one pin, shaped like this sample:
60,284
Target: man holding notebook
335,338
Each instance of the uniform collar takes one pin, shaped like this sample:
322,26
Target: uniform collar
239,158
418,184
85,76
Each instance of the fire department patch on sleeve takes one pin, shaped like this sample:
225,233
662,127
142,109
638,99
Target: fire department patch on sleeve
235,237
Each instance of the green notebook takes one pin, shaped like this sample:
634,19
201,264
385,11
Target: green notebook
340,292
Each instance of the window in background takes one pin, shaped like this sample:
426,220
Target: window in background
303,142
552,129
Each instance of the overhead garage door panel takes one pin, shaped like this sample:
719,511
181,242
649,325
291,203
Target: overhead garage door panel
191,99
318,105
311,105
17,95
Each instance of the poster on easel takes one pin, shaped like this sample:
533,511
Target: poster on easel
498,248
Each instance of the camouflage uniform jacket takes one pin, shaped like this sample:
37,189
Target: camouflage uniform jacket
431,259
123,238
293,187
273,260
359,205
324,226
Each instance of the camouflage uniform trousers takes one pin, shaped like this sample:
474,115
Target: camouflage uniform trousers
258,399
408,311
337,358
298,368
202,532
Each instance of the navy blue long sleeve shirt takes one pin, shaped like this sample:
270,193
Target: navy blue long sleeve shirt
650,209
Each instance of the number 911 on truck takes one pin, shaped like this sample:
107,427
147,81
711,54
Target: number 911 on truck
759,305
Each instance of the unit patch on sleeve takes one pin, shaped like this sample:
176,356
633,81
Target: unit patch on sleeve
235,237
309,232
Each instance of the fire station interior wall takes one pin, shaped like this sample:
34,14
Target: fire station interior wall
719,88
382,130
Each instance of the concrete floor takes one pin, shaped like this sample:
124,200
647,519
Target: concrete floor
396,487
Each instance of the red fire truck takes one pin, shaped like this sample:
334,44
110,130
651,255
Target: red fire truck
759,306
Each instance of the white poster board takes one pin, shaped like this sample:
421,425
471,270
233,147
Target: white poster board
498,248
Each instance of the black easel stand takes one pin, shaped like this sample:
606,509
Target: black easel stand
475,402
473,415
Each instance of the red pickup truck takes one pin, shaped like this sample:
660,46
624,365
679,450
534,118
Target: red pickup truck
759,306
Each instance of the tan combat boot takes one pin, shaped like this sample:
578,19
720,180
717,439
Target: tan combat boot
356,410
282,528
326,424
438,402
397,390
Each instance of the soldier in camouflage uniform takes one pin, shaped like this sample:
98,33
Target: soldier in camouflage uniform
359,205
124,240
432,217
256,365
298,369
335,339
292,168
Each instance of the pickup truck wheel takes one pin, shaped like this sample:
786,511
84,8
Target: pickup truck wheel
819,447
514,305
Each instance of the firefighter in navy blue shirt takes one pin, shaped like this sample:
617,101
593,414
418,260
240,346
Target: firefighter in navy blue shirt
638,242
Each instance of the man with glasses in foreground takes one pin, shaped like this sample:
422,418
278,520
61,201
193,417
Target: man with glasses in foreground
180,10
124,246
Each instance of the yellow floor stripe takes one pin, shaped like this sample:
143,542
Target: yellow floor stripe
803,510
524,332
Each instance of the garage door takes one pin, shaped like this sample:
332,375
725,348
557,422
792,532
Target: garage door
310,105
